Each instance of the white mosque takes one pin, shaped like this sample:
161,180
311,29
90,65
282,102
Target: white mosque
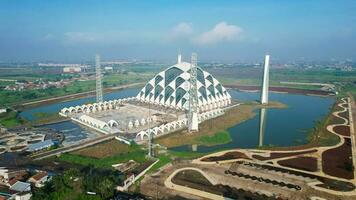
171,88
132,119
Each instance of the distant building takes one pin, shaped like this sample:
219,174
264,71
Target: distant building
3,110
39,179
2,129
60,65
108,68
23,196
6,174
20,186
40,146
72,69
16,191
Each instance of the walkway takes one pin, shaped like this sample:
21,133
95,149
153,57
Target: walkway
346,106
169,184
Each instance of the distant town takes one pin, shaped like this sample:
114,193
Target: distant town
177,100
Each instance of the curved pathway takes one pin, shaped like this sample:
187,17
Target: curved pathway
169,184
346,106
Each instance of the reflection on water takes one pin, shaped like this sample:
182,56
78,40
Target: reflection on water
194,147
284,127
263,115
72,132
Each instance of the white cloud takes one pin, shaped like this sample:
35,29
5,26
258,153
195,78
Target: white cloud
79,37
220,33
181,30
110,37
49,36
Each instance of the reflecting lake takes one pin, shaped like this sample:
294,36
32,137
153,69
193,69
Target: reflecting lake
280,127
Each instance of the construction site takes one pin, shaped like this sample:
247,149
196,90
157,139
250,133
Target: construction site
182,96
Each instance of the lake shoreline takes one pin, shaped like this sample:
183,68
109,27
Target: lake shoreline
70,97
280,89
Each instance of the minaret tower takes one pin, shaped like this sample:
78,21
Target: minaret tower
179,57
99,87
265,83
193,96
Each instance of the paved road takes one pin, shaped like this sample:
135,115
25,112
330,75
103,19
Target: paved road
169,184
352,115
318,153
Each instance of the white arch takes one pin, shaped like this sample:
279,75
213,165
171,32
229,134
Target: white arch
113,123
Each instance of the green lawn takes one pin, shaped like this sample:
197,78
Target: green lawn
6,83
319,135
186,154
120,79
163,160
137,154
9,119
221,137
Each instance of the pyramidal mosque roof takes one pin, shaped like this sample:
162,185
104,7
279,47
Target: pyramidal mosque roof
170,87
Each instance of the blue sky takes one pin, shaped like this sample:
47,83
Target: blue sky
64,30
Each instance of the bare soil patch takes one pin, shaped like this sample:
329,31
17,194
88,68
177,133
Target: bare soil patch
194,179
342,130
226,156
281,155
302,163
327,182
338,161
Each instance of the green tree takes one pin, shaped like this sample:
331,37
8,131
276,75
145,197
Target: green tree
44,192
70,176
106,188
58,183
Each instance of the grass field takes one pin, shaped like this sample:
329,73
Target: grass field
107,157
107,162
241,76
42,118
220,137
319,135
186,154
5,83
163,160
111,152
9,119
209,127
120,79
105,149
